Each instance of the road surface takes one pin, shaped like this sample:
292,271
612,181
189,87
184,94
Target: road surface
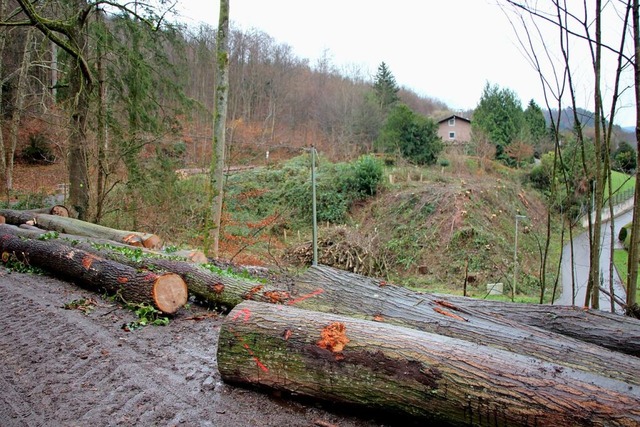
574,291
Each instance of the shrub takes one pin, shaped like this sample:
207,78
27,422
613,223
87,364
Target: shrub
363,178
39,150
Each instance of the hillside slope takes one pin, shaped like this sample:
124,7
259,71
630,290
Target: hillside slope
436,227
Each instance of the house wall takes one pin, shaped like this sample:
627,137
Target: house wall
461,128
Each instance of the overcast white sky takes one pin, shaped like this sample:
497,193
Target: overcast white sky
442,49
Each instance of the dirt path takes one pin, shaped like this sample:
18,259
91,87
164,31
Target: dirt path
65,368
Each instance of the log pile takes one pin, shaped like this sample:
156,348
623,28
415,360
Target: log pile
343,337
366,342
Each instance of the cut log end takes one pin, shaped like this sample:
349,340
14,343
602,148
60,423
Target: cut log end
170,293
152,242
60,210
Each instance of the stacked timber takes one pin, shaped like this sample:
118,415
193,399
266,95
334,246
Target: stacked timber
342,337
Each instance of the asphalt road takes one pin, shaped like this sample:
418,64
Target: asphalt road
573,291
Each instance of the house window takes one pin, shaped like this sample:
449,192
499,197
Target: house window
452,121
452,135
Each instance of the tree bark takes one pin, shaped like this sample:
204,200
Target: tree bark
401,370
18,217
82,228
166,292
618,333
219,129
329,290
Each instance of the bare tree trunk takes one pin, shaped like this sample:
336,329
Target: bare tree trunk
593,286
634,252
3,31
21,95
78,142
219,129
102,127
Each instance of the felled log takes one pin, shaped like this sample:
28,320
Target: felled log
167,292
14,216
33,232
619,333
206,286
329,290
406,371
82,228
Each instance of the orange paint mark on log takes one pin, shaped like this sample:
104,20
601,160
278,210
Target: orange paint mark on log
217,288
122,280
260,364
151,276
286,334
378,318
333,337
252,292
87,261
244,312
304,297
277,296
382,284
447,313
251,353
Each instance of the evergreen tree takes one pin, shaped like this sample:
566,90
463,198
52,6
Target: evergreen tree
411,135
385,87
499,116
535,125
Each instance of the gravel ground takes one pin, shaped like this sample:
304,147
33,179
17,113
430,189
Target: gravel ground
65,367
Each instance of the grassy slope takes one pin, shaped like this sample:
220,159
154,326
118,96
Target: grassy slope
459,218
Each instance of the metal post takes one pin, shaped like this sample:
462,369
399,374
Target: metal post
515,259
315,217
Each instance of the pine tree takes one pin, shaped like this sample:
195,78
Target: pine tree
385,86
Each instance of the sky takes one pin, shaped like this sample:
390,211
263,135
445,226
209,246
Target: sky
447,50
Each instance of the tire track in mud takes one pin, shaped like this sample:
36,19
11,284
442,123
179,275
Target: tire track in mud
63,368
52,356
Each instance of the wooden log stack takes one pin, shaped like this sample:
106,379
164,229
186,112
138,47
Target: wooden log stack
347,338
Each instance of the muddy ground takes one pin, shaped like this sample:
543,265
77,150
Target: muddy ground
65,367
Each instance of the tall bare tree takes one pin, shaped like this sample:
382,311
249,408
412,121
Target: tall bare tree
634,250
216,172
579,23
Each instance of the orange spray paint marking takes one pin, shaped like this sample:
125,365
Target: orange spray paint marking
87,261
446,313
304,297
251,353
151,276
122,280
244,312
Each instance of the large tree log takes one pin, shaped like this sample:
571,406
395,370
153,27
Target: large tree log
209,288
376,365
81,228
619,333
166,292
329,290
16,217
